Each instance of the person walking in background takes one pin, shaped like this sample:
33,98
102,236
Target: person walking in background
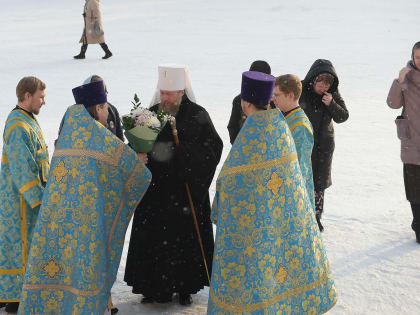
93,32
23,176
322,103
405,93
237,117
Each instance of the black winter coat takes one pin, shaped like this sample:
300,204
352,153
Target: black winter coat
237,118
321,117
164,255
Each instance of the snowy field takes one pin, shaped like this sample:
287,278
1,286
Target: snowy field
374,257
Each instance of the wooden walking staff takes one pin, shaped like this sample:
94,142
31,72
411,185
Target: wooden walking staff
172,121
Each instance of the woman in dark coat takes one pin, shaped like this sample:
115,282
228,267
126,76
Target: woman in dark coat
322,103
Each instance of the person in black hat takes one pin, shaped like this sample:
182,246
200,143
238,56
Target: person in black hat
78,239
267,244
237,117
114,121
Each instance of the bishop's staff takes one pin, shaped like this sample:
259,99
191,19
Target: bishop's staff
172,121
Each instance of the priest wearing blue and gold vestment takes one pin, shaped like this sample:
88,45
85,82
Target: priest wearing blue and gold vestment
24,171
96,182
269,257
287,91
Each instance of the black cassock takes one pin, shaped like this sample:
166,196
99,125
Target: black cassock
164,255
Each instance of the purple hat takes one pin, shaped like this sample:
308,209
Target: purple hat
90,94
257,87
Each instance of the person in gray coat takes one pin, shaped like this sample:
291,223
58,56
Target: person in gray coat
405,93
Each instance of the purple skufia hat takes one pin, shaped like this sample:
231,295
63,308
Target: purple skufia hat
90,94
257,87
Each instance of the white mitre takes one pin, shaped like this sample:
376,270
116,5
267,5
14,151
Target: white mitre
173,77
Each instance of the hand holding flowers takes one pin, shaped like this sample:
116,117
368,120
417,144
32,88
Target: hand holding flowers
142,126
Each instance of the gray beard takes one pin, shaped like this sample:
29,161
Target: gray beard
174,109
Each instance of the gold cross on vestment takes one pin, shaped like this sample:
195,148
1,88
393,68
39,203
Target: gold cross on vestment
274,183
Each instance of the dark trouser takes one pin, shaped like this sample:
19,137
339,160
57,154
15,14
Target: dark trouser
319,207
412,191
319,202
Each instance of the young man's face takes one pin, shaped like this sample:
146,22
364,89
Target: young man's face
170,101
279,98
35,101
102,114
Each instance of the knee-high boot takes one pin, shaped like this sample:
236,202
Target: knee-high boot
82,52
415,208
319,208
108,53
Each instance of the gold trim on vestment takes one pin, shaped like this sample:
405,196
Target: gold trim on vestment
113,160
257,166
42,161
12,271
40,150
23,232
15,124
289,122
36,204
78,292
301,123
9,301
34,120
39,137
26,114
64,288
261,305
294,111
29,185
4,159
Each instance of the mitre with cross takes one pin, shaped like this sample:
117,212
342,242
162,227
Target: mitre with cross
173,77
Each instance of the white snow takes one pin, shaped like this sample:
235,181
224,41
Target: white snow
374,257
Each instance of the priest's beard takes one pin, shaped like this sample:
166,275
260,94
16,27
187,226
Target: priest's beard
171,108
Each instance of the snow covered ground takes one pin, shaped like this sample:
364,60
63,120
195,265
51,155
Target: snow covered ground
371,247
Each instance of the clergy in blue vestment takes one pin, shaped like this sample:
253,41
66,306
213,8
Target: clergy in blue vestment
287,91
269,257
96,182
24,171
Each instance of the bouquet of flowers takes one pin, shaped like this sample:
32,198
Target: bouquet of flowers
143,126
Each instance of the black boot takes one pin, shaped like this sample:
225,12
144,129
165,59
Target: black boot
114,310
415,225
2,305
82,52
185,299
318,220
108,53
12,307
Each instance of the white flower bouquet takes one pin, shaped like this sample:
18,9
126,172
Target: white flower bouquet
143,126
